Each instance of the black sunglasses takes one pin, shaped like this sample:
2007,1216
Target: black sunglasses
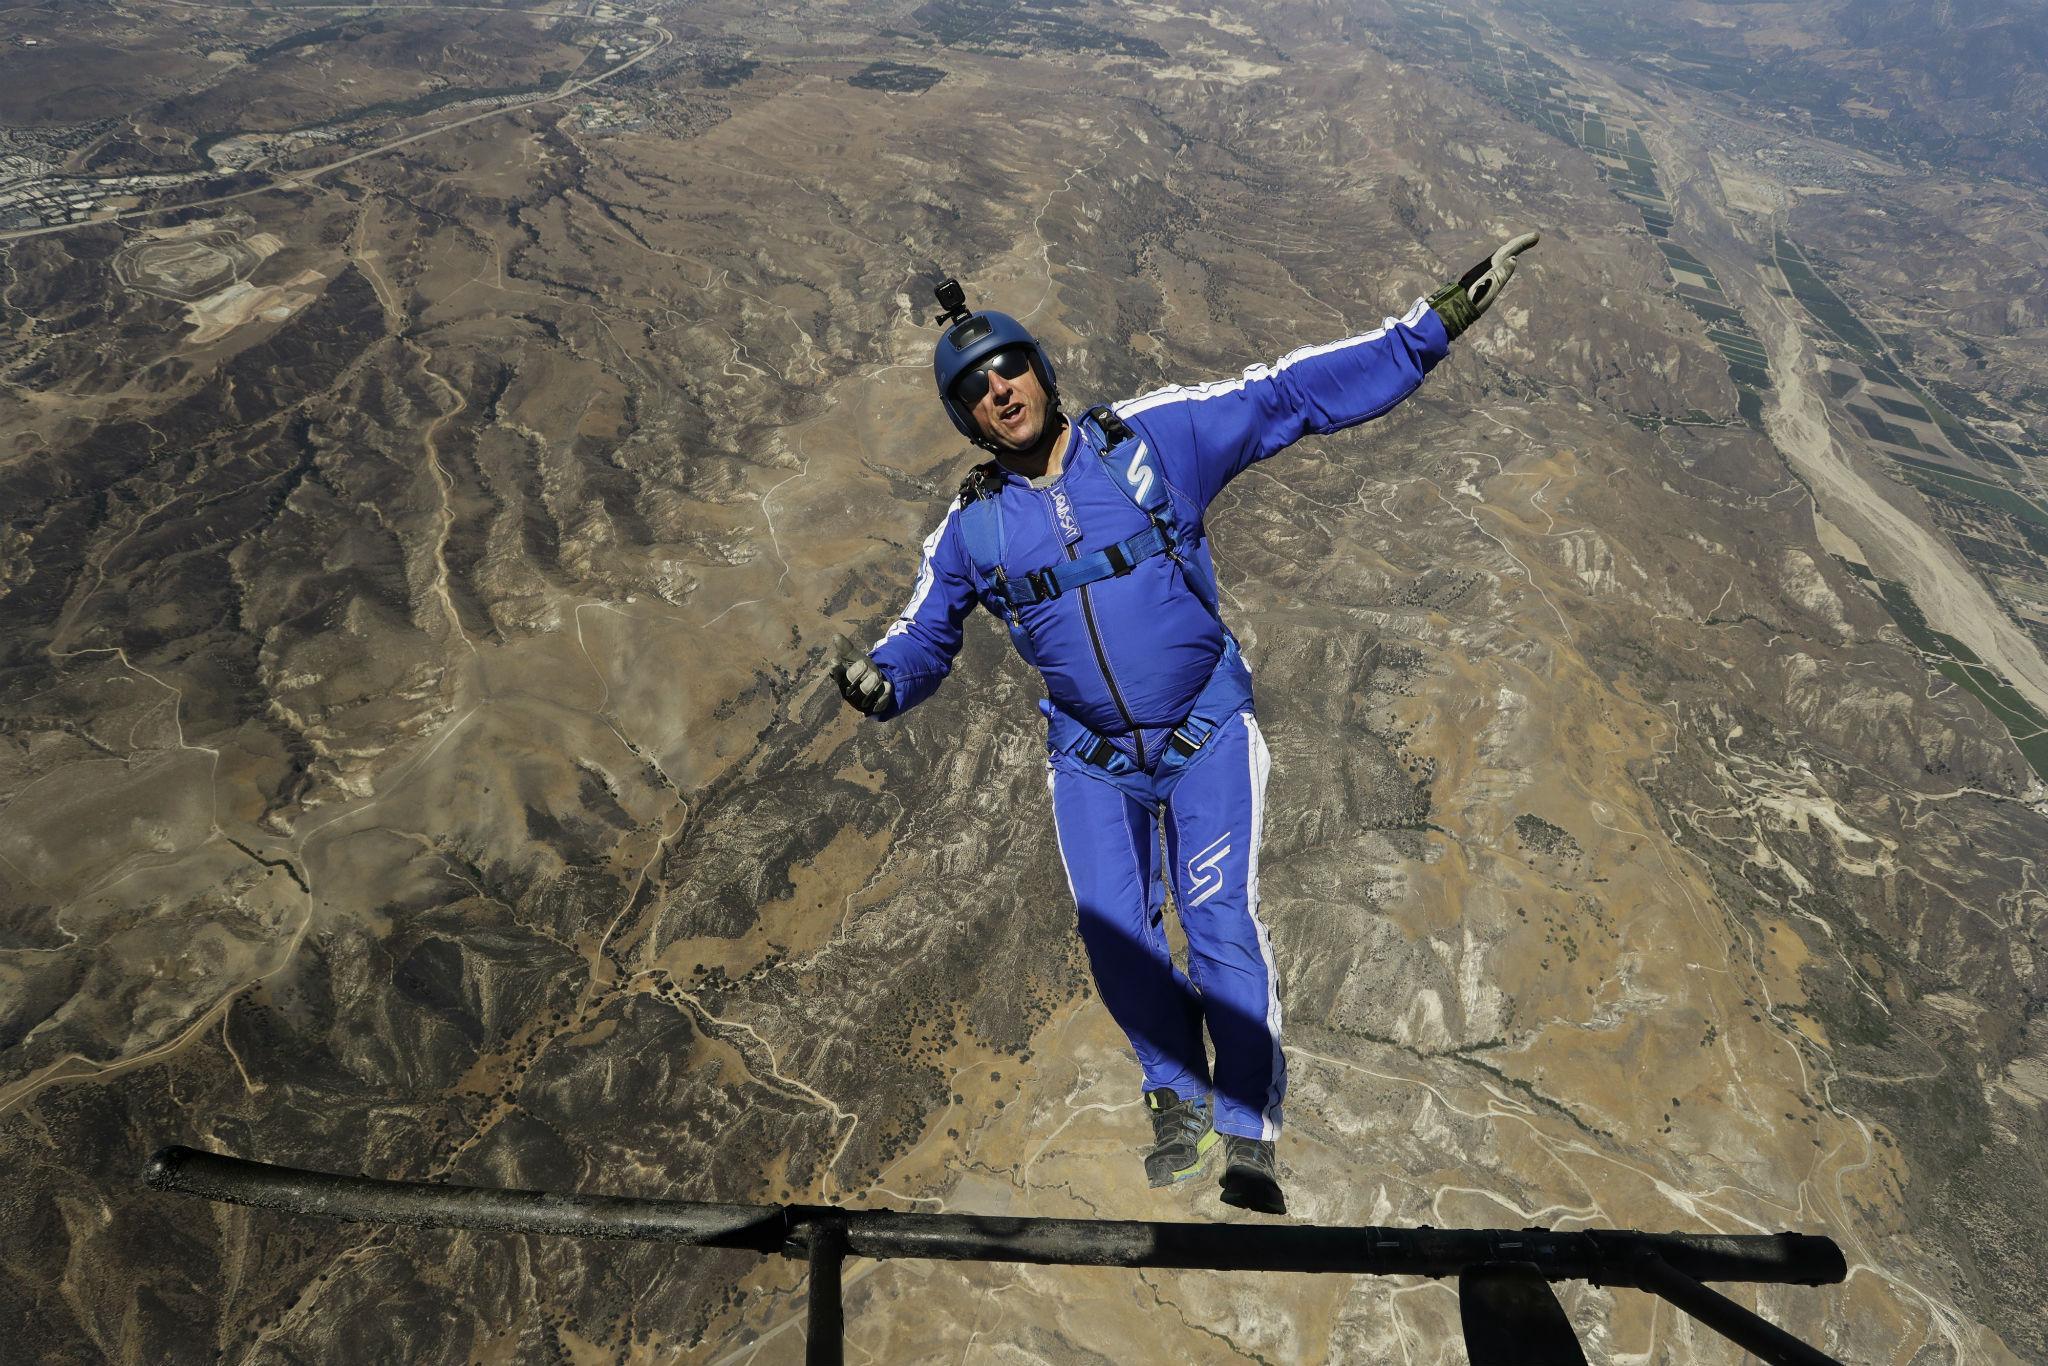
1011,362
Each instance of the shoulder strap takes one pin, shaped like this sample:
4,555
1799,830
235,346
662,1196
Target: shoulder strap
981,525
1133,468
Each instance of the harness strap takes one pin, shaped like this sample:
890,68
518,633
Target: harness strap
982,529
1150,496
1043,585
1189,736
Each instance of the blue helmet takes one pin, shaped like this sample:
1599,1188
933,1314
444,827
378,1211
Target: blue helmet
970,341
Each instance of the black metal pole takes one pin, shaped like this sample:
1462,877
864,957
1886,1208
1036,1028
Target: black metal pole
825,1340
1752,1333
1602,1257
425,1204
1668,1264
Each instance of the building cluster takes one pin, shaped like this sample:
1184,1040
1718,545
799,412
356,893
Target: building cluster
33,193
625,45
244,150
48,200
1792,157
609,117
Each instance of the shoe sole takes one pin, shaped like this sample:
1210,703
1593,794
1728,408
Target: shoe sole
1193,1169
1253,1191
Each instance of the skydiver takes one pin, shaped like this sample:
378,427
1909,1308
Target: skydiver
1086,538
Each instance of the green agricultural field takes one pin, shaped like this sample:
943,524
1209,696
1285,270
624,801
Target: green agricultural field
2012,711
1898,409
1958,663
2004,499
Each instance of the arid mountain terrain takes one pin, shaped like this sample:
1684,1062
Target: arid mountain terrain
438,444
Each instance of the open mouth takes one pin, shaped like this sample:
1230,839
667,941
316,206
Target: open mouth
1010,414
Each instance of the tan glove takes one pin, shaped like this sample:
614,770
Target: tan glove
865,687
1461,302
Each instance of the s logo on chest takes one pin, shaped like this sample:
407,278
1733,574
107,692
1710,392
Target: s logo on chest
1138,473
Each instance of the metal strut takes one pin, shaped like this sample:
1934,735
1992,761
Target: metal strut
1499,1266
825,1336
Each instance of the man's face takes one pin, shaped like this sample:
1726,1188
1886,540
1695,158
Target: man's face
1012,413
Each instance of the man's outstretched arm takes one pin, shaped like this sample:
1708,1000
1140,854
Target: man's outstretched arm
1227,425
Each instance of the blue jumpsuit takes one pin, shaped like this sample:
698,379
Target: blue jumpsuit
1127,660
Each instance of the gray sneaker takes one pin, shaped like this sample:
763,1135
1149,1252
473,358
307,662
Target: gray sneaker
1182,1136
1251,1175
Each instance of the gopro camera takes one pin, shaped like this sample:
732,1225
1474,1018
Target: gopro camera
953,299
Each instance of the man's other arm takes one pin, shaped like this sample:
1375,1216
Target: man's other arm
916,653
1219,429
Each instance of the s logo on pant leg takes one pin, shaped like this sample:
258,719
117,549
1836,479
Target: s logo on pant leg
1205,879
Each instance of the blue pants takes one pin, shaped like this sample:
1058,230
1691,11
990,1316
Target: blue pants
1109,841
